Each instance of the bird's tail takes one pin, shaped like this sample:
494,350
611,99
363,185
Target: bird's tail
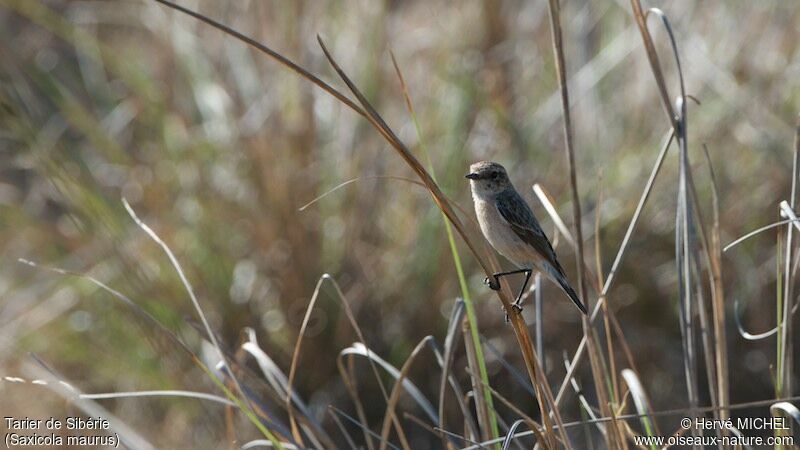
564,284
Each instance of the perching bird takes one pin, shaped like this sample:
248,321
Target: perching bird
509,225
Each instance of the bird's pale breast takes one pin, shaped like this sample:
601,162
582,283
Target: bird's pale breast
498,232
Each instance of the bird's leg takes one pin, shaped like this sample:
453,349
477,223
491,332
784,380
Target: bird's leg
494,281
518,302
494,284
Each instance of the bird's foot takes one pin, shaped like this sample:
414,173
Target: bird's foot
492,282
517,310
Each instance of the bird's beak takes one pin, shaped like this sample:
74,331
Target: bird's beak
472,176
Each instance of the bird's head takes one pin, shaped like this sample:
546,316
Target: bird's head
488,178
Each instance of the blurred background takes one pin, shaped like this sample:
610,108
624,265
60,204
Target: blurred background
217,148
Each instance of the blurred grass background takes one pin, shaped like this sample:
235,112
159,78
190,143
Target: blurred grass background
217,148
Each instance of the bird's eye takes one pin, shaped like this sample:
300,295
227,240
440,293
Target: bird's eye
495,175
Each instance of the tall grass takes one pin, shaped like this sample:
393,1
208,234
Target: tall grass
401,382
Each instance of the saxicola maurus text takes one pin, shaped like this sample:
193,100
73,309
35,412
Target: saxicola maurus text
510,226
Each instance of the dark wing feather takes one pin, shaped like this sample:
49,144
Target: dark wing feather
521,219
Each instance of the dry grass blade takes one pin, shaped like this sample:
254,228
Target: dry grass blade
709,347
756,232
162,393
394,396
618,259
265,443
353,180
512,433
422,424
648,188
539,318
535,427
380,125
296,357
359,349
128,436
655,64
348,378
584,403
547,202
786,408
342,429
516,374
786,357
150,319
124,299
188,286
595,356
350,387
598,253
462,438
280,383
359,424
471,220
718,297
639,400
450,343
746,334
483,410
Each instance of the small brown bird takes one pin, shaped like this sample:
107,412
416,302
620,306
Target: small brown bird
510,226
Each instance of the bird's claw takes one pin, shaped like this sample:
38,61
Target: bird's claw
492,283
517,310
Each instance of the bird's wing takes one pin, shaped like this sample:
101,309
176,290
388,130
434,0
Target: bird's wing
524,224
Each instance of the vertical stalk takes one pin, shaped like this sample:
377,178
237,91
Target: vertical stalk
594,355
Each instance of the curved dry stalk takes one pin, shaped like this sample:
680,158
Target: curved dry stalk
451,339
359,424
471,220
342,429
532,424
351,318
756,232
394,396
718,295
279,382
159,393
295,358
353,180
512,433
640,400
247,404
353,392
655,63
129,437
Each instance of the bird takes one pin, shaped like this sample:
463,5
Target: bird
509,225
